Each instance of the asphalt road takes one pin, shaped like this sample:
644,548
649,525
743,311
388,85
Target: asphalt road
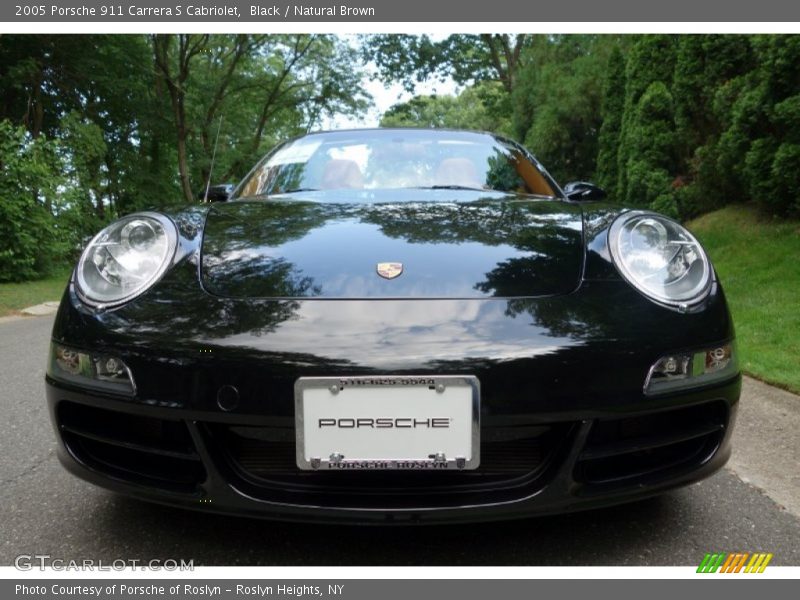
44,510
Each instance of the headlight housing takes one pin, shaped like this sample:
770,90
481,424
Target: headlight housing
691,369
660,258
90,369
125,259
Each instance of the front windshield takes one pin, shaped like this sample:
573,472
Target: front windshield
395,159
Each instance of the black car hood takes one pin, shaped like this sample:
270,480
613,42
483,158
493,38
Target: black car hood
502,246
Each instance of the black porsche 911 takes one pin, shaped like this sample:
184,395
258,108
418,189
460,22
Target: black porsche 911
394,326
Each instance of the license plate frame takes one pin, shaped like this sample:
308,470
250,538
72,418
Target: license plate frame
429,391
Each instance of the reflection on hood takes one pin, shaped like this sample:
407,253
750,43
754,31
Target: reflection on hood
506,247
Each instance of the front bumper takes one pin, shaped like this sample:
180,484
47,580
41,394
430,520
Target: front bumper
565,424
538,464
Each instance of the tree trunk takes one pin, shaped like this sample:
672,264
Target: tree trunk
187,48
183,165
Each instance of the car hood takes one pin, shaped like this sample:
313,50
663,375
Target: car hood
502,246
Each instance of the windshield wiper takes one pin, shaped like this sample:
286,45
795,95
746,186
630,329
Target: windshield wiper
295,190
450,187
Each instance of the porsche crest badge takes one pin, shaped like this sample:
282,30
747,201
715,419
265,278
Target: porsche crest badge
390,270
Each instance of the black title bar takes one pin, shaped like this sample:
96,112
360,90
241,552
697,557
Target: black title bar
449,11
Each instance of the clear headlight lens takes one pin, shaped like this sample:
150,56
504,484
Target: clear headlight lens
90,369
126,258
690,369
660,258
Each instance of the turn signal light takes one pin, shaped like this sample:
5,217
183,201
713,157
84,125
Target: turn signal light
684,370
94,370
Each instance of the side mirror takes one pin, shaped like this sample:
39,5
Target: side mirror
219,193
584,191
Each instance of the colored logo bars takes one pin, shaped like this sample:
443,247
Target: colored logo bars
735,562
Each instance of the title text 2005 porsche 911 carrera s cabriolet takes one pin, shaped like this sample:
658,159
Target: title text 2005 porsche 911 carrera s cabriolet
394,326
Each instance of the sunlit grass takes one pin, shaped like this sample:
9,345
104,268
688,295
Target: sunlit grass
16,296
758,262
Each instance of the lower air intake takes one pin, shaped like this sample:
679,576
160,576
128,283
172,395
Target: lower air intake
512,461
135,449
641,449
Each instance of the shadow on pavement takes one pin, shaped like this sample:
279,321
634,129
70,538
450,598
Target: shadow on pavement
583,538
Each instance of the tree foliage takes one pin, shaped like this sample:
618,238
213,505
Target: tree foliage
611,110
474,108
132,120
29,238
96,126
555,103
467,59
678,123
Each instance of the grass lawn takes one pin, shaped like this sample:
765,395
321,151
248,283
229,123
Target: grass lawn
758,262
16,296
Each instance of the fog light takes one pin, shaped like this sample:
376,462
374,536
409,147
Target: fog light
672,367
679,371
87,369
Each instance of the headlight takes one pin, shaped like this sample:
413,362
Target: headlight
660,258
126,258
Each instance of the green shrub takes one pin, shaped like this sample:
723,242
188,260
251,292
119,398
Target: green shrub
30,243
784,178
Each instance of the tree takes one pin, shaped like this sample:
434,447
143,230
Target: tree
772,160
703,63
29,239
129,122
104,80
756,156
473,108
707,69
259,88
556,101
173,68
651,158
611,111
468,59
651,59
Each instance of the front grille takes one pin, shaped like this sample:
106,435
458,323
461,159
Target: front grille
132,448
513,460
641,449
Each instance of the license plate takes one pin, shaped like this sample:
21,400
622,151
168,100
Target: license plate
387,423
